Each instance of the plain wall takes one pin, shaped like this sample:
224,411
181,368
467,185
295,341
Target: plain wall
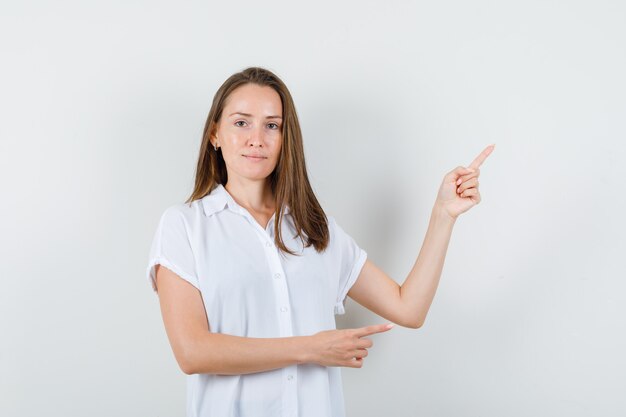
103,106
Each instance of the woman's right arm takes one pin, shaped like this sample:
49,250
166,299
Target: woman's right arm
197,350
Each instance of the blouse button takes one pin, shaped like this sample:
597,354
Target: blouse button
277,275
290,377
283,309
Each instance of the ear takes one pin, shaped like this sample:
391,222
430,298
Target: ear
213,135
212,138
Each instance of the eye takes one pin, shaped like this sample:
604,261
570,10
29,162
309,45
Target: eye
239,121
274,125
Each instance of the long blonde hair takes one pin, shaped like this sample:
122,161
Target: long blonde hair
289,181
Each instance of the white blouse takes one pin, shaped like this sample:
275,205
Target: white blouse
251,289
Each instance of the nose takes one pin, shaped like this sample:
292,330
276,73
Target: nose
256,138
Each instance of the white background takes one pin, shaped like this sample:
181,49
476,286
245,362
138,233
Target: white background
102,110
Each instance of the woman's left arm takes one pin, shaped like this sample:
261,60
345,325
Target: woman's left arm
408,304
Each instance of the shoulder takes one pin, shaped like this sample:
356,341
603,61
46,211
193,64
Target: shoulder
333,226
332,222
187,214
338,235
335,231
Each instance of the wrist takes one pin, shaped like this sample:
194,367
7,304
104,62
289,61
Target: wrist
441,215
304,352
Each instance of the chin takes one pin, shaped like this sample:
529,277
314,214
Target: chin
256,176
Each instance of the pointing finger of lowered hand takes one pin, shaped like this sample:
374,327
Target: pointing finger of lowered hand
376,328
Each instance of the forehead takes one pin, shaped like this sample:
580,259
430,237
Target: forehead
254,99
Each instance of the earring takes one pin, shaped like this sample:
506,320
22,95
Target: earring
215,145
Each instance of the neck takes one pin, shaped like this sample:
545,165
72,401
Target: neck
252,195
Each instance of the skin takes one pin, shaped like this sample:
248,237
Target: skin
200,351
257,133
408,304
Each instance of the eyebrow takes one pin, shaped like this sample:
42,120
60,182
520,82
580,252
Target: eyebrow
249,115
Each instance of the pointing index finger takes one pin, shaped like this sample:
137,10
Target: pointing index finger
481,158
376,328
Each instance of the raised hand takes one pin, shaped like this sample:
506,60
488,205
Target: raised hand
343,347
459,189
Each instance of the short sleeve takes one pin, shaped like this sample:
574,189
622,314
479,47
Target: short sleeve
171,247
351,260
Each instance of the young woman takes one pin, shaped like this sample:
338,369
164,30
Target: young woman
250,271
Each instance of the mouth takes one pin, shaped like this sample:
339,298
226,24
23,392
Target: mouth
255,157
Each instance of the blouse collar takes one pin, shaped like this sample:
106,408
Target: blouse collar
218,199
